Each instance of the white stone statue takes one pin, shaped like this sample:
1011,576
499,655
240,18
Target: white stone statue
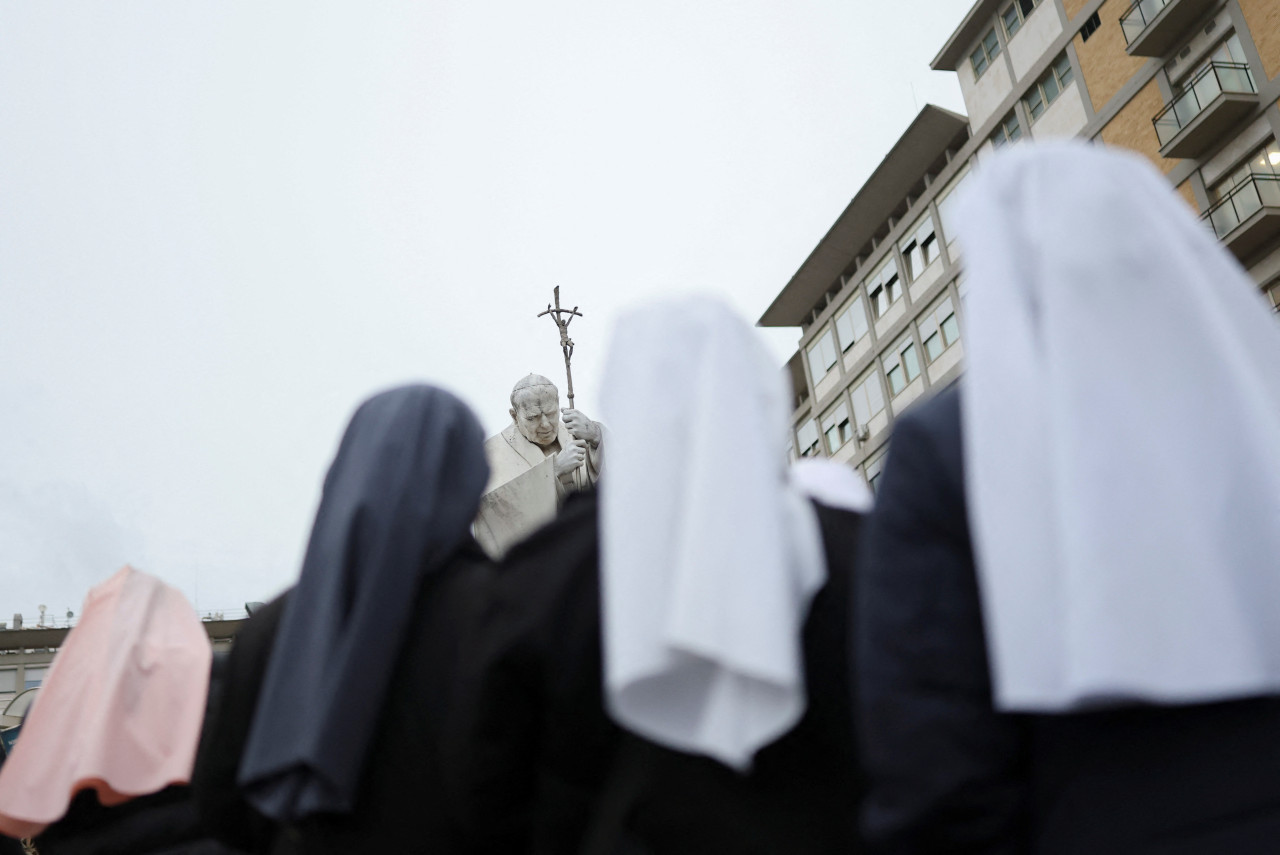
542,456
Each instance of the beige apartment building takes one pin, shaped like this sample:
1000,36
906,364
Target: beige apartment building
1193,85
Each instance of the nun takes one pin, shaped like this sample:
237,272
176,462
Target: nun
1068,610
343,747
109,744
666,665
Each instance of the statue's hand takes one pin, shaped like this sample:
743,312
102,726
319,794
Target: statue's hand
570,458
581,427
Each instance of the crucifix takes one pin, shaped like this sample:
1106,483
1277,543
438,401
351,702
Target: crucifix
563,317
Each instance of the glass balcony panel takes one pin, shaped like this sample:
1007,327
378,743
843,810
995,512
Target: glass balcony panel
1139,15
1205,90
1224,219
1234,78
1246,201
1268,190
1185,108
1167,127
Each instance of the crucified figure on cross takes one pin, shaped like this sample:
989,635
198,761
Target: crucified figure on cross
563,317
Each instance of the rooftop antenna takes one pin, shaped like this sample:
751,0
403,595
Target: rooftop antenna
42,611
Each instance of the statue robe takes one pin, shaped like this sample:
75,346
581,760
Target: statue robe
524,493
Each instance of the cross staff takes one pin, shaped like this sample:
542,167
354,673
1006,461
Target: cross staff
566,344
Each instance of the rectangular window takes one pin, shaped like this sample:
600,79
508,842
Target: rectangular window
837,428
902,365
1015,14
1008,132
896,383
950,330
851,324
987,50
910,362
945,202
1249,187
1048,87
939,329
822,356
883,288
868,399
1090,27
8,681
1265,161
807,437
33,676
920,248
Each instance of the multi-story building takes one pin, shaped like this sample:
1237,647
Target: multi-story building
27,654
1193,85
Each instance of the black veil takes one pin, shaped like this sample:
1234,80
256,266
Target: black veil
398,500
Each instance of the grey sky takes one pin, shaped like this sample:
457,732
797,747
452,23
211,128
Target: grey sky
223,224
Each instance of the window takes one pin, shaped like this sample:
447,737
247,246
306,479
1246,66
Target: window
837,428
1249,187
851,324
8,681
945,201
987,50
920,249
808,439
883,288
1008,131
1048,87
873,470
822,355
868,399
903,366
939,330
1090,27
1265,161
33,676
1228,50
1015,13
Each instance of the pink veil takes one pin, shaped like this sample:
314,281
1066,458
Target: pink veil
121,709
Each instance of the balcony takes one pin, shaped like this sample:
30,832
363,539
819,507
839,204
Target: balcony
1214,100
1154,27
1249,218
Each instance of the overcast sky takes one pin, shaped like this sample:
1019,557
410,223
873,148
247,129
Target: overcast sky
223,224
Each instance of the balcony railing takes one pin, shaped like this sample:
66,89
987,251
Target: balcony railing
1201,91
1138,16
1246,199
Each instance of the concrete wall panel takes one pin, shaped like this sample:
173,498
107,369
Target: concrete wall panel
1065,116
926,278
1034,38
914,390
983,96
948,359
827,384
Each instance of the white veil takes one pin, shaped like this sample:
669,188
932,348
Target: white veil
1122,438
708,558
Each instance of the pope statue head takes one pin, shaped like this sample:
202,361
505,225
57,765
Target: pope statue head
535,407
